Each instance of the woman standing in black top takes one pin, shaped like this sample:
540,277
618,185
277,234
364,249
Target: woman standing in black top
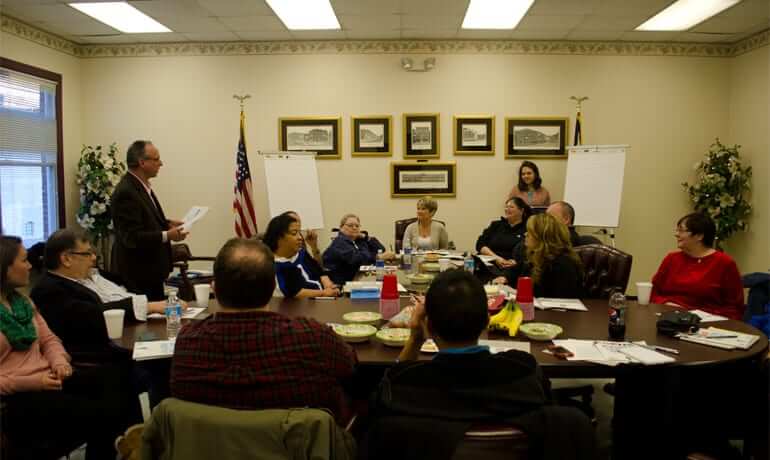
504,234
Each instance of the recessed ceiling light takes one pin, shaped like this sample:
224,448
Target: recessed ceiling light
495,14
684,14
305,14
121,16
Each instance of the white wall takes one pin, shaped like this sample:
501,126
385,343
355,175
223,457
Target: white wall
27,52
750,127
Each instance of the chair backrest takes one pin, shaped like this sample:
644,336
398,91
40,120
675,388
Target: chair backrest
493,442
605,269
186,430
401,228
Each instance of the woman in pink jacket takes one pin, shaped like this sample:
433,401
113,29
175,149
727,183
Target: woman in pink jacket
46,401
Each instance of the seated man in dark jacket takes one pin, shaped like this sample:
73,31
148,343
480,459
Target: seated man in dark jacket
464,384
350,250
72,297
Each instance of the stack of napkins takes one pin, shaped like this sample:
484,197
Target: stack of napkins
706,317
351,285
154,349
545,303
721,338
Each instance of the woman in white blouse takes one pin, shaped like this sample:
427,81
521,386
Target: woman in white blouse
426,233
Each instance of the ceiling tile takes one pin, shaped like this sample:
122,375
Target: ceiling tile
317,34
45,13
253,23
563,7
429,34
429,23
434,7
83,27
373,35
192,24
640,36
596,23
639,9
538,35
236,7
167,8
735,24
530,22
363,23
212,37
594,35
706,38
262,36
365,7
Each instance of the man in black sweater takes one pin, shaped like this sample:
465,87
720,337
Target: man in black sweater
465,384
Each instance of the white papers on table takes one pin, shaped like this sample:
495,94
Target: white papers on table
154,349
350,285
611,353
545,303
367,268
706,317
721,338
195,214
497,346
191,312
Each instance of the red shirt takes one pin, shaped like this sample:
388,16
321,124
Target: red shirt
710,283
260,360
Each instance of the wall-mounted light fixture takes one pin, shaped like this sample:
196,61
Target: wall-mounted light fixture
427,65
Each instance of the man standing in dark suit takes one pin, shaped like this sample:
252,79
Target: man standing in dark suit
143,235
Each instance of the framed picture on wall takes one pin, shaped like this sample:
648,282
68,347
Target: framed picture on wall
312,134
412,178
421,135
543,137
371,135
473,134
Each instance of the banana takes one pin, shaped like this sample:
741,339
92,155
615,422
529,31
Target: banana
499,320
514,321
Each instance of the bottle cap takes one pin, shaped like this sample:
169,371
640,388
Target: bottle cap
524,290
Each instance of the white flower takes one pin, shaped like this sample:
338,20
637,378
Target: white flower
110,226
725,200
97,208
86,221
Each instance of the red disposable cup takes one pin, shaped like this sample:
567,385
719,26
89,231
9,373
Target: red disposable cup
524,289
389,287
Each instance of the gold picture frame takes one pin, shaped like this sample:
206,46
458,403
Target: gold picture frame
409,179
473,134
422,135
314,134
371,135
536,137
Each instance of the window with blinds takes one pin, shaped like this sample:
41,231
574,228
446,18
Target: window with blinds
29,192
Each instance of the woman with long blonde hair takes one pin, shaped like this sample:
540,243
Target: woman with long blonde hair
554,266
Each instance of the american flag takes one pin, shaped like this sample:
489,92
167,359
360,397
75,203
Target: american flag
243,206
578,129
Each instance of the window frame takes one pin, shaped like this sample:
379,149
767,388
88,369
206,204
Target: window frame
56,78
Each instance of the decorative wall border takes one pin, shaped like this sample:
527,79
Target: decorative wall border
20,29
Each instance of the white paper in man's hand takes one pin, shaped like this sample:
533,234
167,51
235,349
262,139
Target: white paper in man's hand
195,214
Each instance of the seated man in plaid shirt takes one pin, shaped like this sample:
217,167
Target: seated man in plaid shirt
246,357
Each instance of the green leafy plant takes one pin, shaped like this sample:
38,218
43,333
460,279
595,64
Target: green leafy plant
98,174
720,189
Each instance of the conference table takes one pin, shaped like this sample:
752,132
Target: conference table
645,396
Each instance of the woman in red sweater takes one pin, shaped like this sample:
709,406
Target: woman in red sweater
698,276
47,401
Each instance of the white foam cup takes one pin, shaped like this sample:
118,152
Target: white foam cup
114,321
643,291
202,292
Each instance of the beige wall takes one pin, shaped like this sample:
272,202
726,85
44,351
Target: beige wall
24,51
663,107
668,109
750,127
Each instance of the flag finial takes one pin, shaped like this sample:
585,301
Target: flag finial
579,100
242,98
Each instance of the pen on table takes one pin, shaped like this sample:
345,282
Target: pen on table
673,351
720,336
325,298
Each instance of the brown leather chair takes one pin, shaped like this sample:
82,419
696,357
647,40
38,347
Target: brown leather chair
605,270
181,257
401,228
493,442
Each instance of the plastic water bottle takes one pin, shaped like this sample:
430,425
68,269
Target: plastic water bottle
173,315
468,263
407,260
379,264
